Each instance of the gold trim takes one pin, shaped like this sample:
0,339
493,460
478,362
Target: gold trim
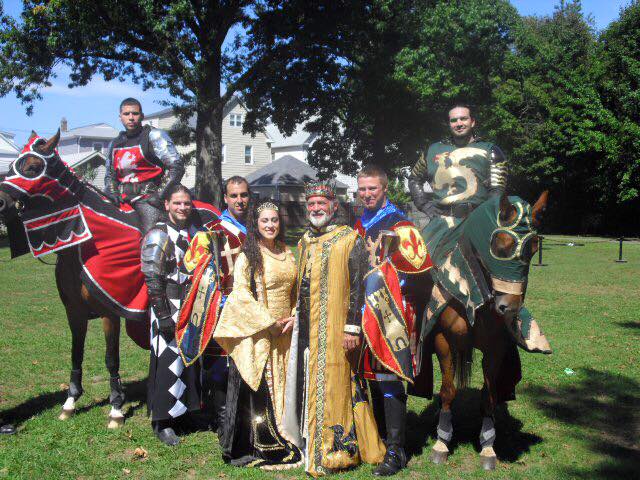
514,288
322,342
364,330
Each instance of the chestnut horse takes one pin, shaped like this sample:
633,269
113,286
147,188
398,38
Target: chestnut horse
79,304
501,234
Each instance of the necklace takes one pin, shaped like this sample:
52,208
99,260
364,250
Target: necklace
277,255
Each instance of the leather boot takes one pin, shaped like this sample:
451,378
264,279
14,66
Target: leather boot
165,433
395,414
7,429
394,460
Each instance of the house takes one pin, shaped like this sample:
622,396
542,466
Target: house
8,152
297,145
241,153
85,149
284,179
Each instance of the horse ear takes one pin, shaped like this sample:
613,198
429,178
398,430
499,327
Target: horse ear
51,144
506,209
32,136
537,214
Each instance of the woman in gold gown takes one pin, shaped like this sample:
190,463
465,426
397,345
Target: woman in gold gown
255,330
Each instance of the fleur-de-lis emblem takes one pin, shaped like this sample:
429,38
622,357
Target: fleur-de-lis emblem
412,243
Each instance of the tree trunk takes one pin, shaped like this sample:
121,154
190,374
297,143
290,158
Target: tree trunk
209,146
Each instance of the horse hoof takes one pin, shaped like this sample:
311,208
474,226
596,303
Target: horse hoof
66,414
488,462
439,458
115,423
116,418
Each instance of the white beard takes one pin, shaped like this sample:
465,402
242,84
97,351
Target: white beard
321,221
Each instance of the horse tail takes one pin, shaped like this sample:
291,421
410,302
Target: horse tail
462,365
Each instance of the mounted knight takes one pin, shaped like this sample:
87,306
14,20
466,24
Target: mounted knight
142,165
48,209
462,172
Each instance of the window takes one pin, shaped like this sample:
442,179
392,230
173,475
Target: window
224,153
235,120
97,147
248,154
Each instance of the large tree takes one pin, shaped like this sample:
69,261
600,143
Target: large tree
549,116
177,45
618,80
388,70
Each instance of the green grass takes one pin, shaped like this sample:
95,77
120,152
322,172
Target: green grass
582,426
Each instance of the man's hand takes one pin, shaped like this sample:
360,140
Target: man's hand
350,342
167,327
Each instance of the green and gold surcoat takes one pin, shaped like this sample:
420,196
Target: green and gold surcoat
460,178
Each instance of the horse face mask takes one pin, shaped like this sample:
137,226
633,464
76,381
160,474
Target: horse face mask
507,269
47,188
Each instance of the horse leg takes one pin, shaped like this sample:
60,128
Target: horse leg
78,325
492,355
111,328
440,451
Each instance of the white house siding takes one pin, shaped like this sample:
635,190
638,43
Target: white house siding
233,139
98,180
236,141
8,152
294,151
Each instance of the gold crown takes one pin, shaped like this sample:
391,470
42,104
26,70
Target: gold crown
319,189
267,206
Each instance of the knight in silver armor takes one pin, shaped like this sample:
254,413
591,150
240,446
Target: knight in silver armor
173,389
142,164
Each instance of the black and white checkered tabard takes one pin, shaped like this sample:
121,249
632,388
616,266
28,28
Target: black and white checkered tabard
173,389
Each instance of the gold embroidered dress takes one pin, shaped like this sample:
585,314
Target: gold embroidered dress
257,383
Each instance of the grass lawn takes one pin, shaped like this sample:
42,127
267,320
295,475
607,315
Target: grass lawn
585,425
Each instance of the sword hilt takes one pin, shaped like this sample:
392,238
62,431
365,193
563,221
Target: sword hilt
388,238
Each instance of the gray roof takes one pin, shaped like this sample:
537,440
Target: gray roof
159,113
286,171
97,130
7,144
77,159
298,138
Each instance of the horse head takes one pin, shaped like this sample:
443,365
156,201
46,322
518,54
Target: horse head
37,178
503,231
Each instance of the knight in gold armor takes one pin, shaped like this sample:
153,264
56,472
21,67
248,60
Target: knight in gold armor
327,412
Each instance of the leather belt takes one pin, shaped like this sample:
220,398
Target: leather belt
134,189
459,210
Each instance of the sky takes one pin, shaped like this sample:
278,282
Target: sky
98,101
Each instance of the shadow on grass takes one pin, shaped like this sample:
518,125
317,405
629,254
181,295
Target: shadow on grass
511,442
134,391
630,324
605,409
